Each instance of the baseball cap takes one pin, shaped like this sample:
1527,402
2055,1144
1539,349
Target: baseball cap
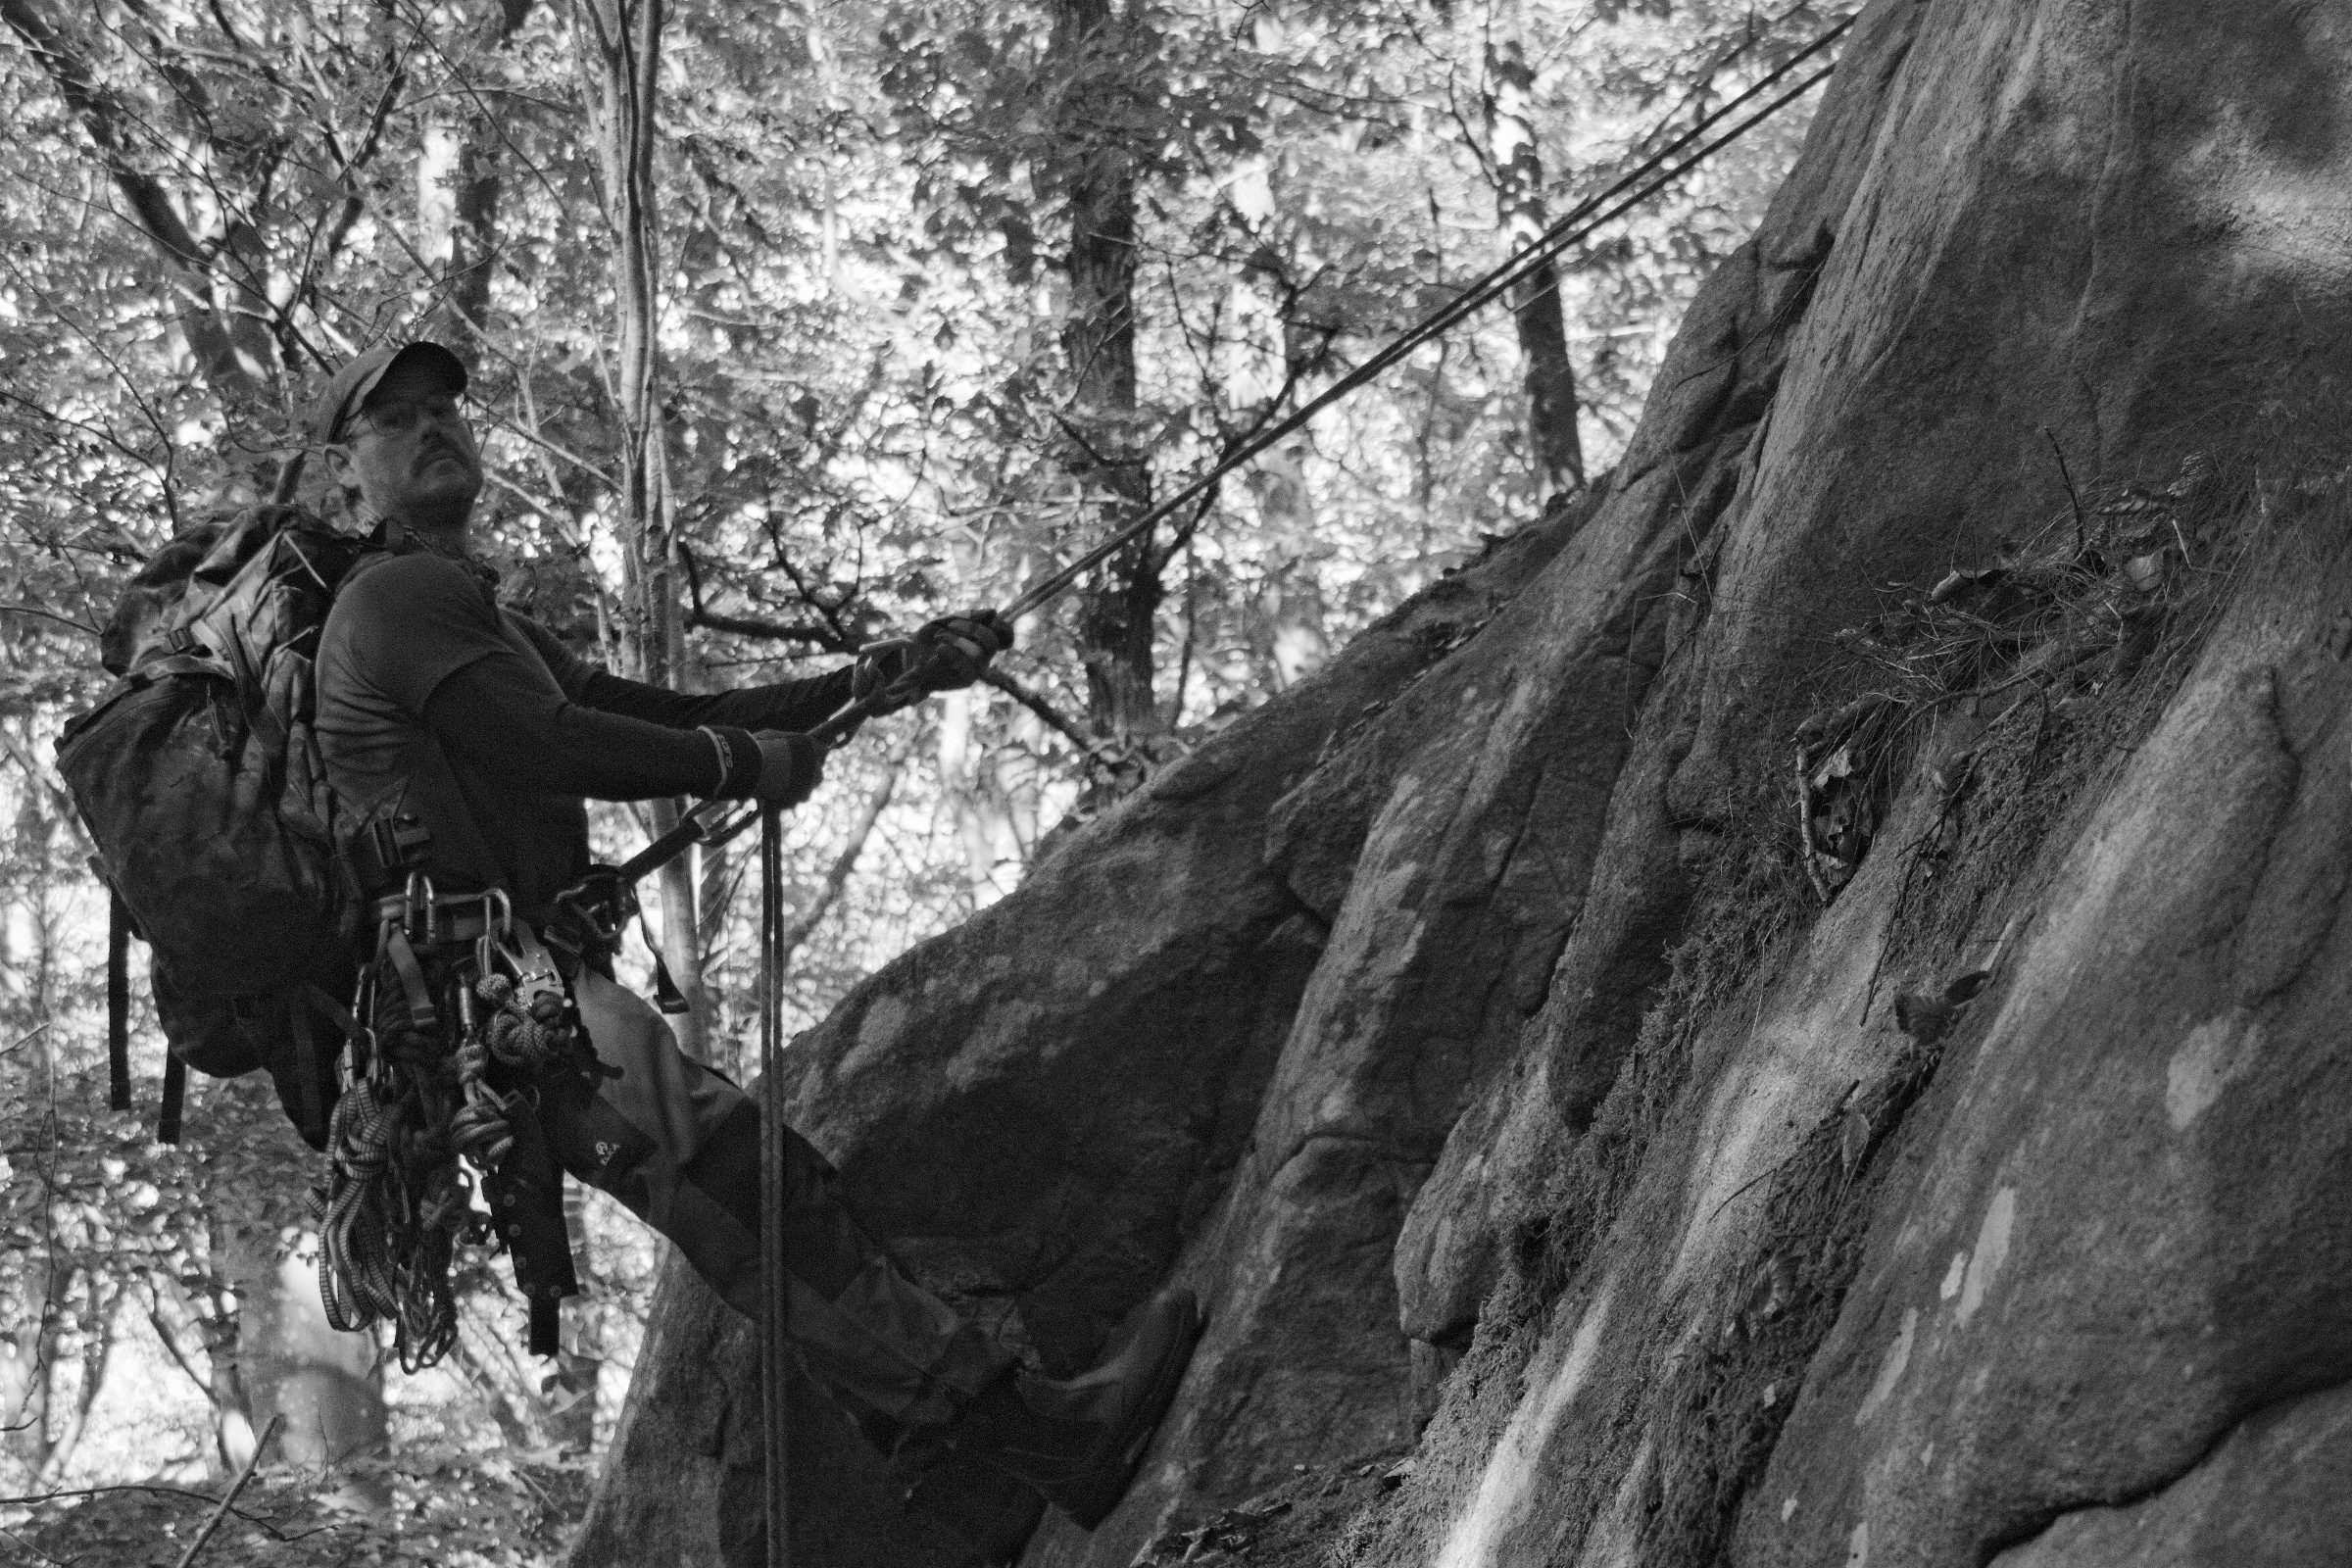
348,388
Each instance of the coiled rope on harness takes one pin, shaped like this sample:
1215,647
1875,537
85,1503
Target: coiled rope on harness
528,1039
394,1208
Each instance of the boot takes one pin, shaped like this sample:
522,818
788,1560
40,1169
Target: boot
1075,1441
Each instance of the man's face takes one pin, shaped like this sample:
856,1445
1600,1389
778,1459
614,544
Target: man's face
409,451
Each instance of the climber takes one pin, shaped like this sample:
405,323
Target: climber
465,736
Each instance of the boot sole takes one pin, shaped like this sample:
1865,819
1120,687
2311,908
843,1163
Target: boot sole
1174,1319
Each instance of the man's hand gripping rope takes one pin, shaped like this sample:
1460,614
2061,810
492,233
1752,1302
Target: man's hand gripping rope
944,655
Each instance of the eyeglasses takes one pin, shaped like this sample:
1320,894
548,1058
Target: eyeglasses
399,416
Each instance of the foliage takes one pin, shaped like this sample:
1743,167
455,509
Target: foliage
447,1510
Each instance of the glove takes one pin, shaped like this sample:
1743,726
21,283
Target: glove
947,654
790,765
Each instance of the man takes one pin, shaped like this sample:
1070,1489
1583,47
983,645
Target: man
440,711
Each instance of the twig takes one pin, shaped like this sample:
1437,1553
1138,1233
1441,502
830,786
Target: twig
34,1499
222,1512
838,874
25,1040
49,615
1806,848
827,636
1044,710
2068,480
45,1556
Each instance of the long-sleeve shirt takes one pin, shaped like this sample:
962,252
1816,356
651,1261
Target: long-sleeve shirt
435,701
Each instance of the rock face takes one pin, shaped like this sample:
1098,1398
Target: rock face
1789,1016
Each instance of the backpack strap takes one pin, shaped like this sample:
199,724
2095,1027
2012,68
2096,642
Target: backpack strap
251,696
304,1004
118,1001
175,1094
307,1110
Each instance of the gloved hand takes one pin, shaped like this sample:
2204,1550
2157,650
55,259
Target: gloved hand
790,765
947,654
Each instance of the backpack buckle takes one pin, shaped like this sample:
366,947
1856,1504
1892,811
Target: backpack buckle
396,843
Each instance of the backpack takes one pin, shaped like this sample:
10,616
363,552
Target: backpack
201,783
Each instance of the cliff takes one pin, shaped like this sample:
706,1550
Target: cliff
1788,1013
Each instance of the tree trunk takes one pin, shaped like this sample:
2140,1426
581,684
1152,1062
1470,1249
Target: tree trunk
1542,326
1117,617
283,1357
464,242
28,1360
620,62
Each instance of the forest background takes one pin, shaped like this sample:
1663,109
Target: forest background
788,328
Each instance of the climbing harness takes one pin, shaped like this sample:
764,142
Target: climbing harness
422,1101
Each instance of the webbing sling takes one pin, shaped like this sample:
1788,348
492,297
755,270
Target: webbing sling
176,1095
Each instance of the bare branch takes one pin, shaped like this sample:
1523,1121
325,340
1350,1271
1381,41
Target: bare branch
837,875
1044,711
228,1500
815,634
48,614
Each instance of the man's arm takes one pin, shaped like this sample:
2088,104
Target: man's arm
791,705
525,736
423,633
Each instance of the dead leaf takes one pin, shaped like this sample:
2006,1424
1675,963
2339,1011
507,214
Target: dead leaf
1775,1289
1961,579
1853,1140
1964,987
1953,776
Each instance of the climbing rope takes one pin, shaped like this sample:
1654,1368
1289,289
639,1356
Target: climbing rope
393,1210
524,1040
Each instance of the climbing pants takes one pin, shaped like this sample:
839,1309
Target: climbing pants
678,1144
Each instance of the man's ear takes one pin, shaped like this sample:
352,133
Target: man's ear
344,495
